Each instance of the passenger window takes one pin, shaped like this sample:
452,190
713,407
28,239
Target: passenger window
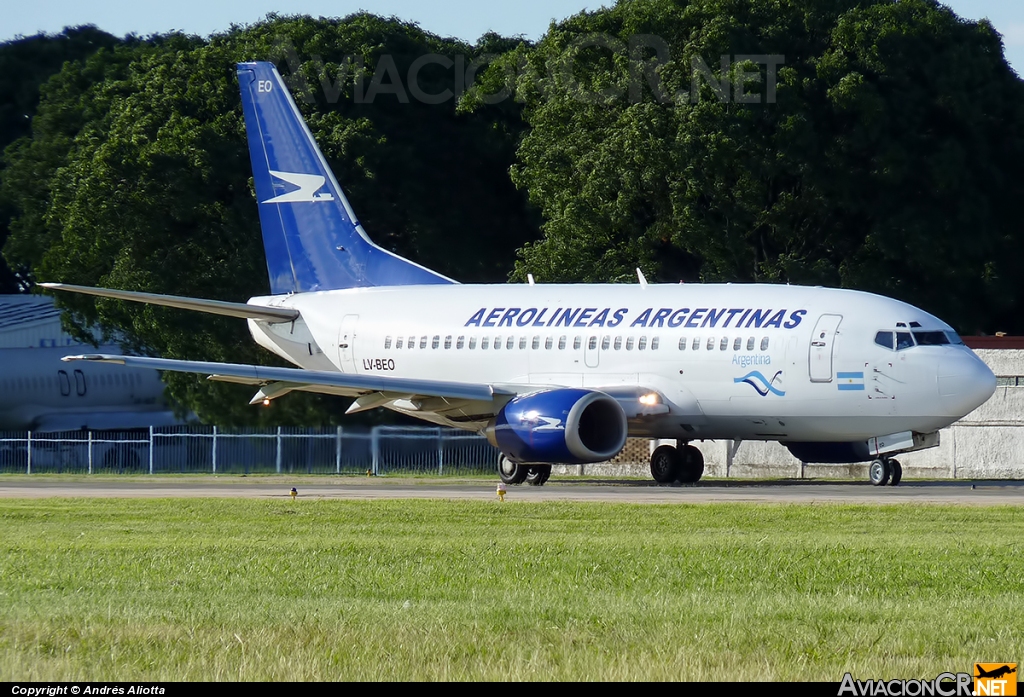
387,342
484,343
522,343
618,343
510,343
884,339
696,343
412,342
711,343
654,343
448,342
605,343
737,344
576,343
548,343
472,343
764,344
724,344
436,342
592,344
398,343
682,344
497,343
629,343
536,343
460,342
642,344
904,340
750,343
561,343
423,342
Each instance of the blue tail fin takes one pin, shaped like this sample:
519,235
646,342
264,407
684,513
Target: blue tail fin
311,236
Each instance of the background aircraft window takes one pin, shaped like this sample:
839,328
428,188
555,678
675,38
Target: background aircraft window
548,343
654,344
642,344
448,342
561,343
696,343
435,342
764,344
484,343
472,342
884,339
387,342
737,344
536,343
954,338
398,343
522,343
629,343
711,343
724,344
65,383
904,341
750,343
931,338
682,344
605,343
423,342
460,342
618,343
80,383
576,343
510,343
592,344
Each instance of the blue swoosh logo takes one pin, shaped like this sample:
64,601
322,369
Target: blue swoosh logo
761,384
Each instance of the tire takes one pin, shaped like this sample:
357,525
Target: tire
879,472
665,464
511,472
536,475
897,472
692,467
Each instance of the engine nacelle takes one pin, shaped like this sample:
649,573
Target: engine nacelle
564,425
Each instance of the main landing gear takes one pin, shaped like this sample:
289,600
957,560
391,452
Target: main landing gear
515,473
670,464
884,471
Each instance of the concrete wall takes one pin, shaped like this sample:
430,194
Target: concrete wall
986,444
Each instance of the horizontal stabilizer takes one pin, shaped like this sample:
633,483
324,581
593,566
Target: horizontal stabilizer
258,375
213,307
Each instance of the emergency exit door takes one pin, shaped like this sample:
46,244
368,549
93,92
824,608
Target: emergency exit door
823,342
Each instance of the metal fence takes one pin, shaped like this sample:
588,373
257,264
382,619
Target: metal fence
190,449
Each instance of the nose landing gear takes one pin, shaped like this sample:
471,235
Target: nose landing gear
884,471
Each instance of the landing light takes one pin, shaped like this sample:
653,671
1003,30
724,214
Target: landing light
649,399
266,401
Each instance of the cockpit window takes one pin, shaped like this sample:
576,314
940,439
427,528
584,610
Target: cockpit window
884,339
931,338
954,338
904,341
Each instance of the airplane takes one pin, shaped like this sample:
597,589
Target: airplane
555,373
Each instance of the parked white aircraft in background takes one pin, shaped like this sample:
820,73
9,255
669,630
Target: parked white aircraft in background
563,373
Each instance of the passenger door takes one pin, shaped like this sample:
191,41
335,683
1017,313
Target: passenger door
823,341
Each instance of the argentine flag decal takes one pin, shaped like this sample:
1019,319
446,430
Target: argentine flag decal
850,381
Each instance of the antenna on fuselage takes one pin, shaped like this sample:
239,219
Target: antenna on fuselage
529,278
640,275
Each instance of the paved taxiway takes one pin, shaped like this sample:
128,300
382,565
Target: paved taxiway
947,492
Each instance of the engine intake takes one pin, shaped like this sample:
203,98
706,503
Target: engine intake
571,426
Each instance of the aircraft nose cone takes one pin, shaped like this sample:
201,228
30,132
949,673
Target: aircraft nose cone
965,383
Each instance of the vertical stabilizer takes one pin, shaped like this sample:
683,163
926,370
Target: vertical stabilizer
310,234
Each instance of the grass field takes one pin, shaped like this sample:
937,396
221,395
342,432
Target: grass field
222,589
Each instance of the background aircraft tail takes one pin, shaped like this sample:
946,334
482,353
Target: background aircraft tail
312,239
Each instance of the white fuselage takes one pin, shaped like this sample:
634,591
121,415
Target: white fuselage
729,361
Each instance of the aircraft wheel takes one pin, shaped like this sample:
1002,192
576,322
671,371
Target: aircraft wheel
692,465
897,472
536,475
511,472
666,463
879,472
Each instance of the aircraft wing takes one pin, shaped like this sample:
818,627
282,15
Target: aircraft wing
278,381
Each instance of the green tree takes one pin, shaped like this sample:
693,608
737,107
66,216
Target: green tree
138,177
889,161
